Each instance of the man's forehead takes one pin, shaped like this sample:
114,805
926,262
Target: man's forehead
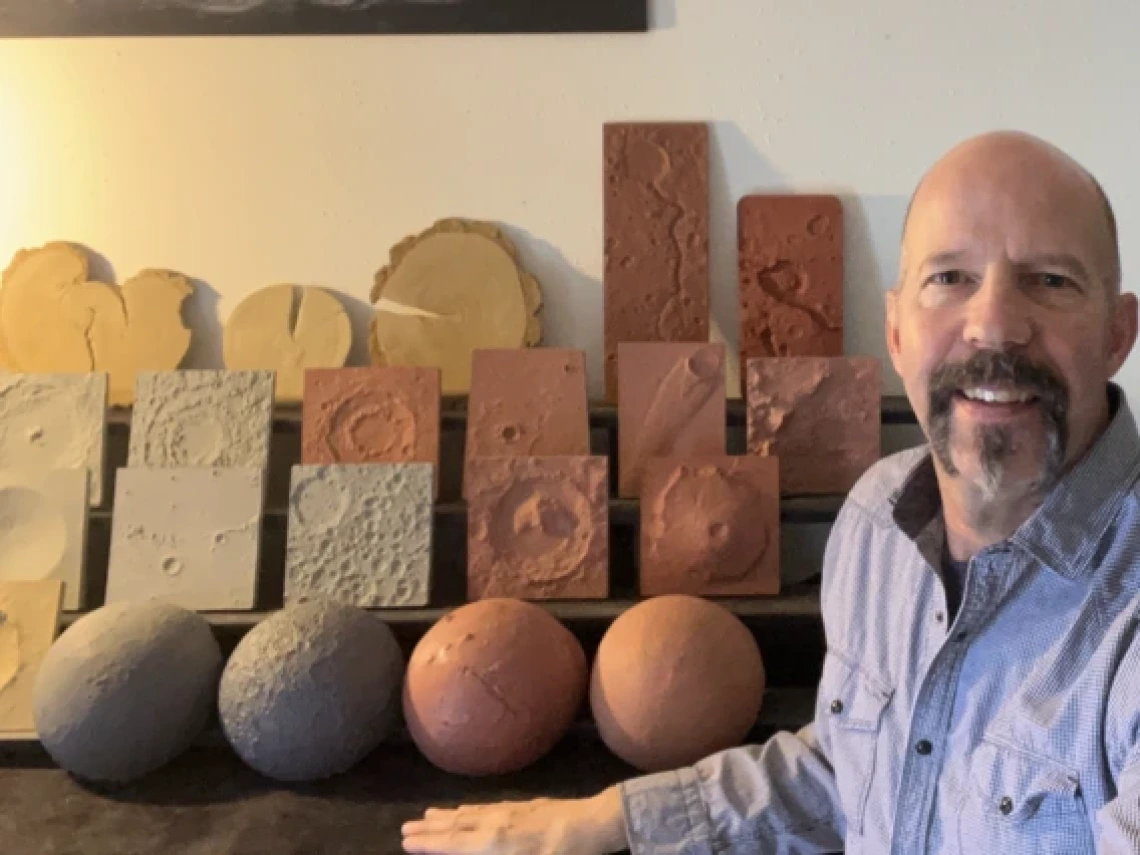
1016,213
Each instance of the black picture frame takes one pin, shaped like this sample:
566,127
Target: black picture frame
92,18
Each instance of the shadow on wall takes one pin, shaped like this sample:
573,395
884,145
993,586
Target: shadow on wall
99,267
662,14
870,221
200,315
572,302
736,169
360,314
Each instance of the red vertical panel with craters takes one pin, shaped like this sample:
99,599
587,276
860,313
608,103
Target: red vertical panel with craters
656,236
791,276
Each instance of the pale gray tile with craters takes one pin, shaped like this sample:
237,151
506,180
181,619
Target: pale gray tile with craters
202,418
361,534
55,421
190,537
43,529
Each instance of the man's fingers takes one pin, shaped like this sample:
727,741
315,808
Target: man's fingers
439,825
433,813
460,843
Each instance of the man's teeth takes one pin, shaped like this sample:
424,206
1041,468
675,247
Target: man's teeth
997,396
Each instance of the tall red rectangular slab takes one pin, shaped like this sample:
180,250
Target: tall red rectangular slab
791,275
671,403
656,236
526,402
538,528
821,416
710,527
385,414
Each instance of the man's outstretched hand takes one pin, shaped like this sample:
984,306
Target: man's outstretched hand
594,826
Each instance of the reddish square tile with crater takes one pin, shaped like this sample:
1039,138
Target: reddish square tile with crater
656,236
671,403
387,414
821,416
791,275
538,528
710,527
526,402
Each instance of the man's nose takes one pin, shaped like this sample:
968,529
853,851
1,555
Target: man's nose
998,316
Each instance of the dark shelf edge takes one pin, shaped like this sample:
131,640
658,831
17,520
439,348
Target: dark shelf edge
895,410
796,509
801,601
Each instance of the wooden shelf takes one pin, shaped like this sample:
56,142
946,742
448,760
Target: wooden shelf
895,410
802,601
623,512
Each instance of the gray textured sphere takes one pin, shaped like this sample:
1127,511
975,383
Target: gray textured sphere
126,689
311,691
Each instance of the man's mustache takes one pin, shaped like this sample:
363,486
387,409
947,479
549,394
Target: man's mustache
998,367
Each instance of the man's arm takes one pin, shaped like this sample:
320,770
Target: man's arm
777,798
1118,822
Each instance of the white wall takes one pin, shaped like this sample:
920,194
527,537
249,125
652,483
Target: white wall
246,162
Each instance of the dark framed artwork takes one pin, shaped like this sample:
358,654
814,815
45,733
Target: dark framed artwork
69,18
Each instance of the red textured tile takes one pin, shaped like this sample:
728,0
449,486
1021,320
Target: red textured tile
371,415
656,236
671,403
710,527
821,416
791,275
537,528
527,402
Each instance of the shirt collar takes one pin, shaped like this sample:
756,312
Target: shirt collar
1066,529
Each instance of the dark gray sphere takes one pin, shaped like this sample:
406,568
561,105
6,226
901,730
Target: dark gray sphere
311,691
126,689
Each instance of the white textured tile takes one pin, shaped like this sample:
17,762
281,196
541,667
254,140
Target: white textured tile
55,421
187,536
29,621
361,533
192,418
43,528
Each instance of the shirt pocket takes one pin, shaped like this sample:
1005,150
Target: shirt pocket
852,706
1020,802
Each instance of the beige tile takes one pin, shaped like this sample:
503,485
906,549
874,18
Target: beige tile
29,621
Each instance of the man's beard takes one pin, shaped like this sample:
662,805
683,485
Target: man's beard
996,443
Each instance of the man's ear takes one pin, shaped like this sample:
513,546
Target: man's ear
894,346
1122,328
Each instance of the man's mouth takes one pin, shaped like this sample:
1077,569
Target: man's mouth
997,395
991,403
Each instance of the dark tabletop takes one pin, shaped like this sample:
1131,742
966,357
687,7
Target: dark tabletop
208,803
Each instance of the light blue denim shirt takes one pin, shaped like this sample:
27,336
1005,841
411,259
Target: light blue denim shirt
1015,730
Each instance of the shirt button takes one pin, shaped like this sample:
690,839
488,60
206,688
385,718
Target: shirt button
837,707
924,747
1006,805
938,616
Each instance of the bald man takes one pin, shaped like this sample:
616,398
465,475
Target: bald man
981,593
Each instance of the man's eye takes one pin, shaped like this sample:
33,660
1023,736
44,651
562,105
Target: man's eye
948,277
1054,280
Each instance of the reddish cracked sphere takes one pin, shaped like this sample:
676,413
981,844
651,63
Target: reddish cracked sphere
676,678
493,686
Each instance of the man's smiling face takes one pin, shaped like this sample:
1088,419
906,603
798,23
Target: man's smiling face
1006,325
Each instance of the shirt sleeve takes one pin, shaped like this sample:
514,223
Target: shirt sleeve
1118,821
777,798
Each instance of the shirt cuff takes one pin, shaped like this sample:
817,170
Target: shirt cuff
664,813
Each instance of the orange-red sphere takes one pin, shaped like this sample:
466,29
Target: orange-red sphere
676,678
493,686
